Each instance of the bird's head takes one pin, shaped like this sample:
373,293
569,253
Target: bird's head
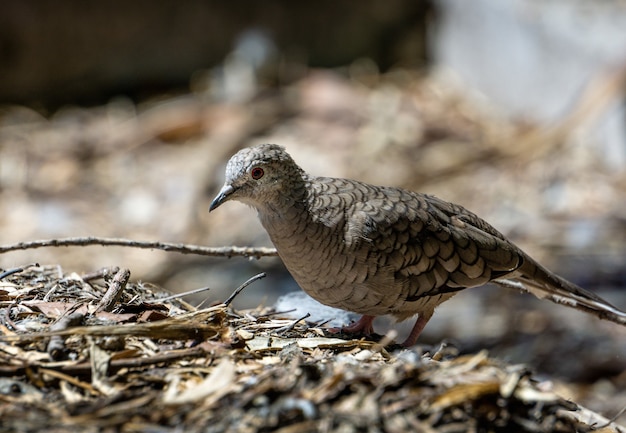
259,176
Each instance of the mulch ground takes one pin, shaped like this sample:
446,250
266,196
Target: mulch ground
100,352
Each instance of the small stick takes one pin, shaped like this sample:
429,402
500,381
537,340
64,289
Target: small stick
612,419
274,313
177,295
56,345
322,323
243,286
165,246
17,270
384,342
292,324
115,290
100,273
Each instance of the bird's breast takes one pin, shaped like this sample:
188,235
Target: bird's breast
330,270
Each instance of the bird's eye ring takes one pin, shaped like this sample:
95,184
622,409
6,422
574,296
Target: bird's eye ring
257,173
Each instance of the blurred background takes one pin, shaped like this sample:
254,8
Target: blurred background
117,119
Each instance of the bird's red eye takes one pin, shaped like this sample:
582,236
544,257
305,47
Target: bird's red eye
257,173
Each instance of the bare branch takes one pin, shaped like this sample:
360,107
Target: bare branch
243,286
165,246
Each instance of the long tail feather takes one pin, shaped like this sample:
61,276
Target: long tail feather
533,278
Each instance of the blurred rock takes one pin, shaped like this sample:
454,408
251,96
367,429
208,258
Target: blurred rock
298,304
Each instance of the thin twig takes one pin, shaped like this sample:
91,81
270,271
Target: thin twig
322,323
243,286
292,325
612,419
84,368
165,246
100,273
177,295
12,271
275,313
602,310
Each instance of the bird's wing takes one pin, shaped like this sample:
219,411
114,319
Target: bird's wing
438,246
532,276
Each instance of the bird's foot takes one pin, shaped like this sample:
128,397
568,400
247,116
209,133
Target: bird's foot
420,323
363,326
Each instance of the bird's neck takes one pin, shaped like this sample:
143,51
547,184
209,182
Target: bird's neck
290,213
284,208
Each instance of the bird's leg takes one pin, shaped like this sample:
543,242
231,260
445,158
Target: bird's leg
420,323
362,326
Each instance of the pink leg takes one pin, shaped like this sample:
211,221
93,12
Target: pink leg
362,326
420,323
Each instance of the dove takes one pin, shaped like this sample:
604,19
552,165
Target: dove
377,250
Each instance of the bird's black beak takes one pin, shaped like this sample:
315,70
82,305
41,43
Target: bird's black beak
221,197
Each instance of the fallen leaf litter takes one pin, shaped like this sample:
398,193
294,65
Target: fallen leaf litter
68,362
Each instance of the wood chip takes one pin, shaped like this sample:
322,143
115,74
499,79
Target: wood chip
217,369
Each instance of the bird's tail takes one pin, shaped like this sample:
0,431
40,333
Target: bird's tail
533,278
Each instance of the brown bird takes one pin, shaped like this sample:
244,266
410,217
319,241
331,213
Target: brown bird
380,250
